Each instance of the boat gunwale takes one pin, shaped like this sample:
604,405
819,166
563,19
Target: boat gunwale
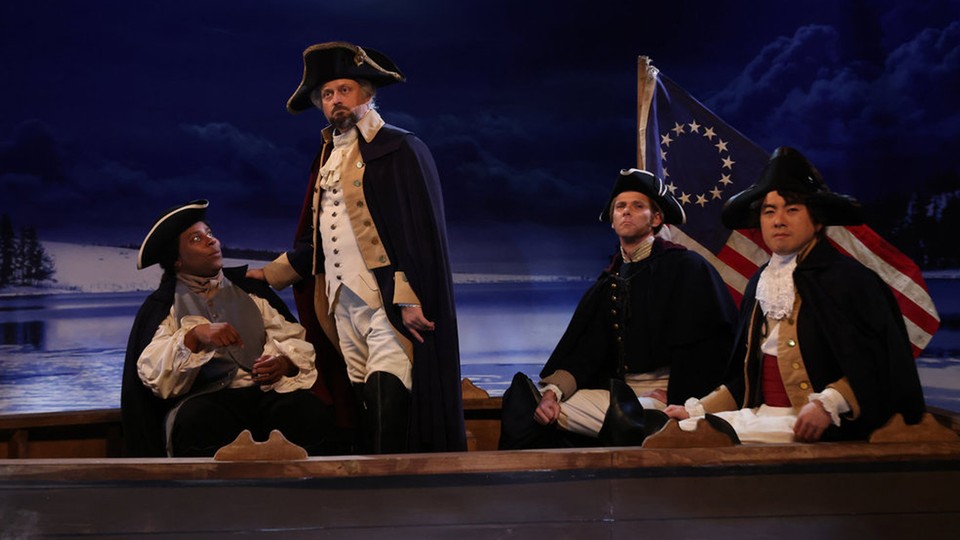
672,461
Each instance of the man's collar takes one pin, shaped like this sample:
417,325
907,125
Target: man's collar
642,251
368,126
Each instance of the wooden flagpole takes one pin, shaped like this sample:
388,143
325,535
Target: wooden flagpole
646,84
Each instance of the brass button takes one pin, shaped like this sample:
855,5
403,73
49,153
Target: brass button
356,183
613,312
359,204
804,386
359,166
616,326
791,343
374,241
613,285
796,365
383,258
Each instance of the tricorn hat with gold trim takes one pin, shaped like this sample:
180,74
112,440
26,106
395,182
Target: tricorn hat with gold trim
325,62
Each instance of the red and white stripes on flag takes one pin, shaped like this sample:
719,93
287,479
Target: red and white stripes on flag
704,161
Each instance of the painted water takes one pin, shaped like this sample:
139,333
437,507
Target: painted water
64,352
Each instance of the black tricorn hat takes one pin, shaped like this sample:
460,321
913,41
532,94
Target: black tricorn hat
164,235
650,185
789,171
341,60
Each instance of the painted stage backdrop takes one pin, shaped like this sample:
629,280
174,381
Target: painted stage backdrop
111,112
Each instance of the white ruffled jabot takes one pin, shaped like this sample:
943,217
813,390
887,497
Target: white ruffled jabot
775,290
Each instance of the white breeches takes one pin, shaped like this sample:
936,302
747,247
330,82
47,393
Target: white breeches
584,411
368,341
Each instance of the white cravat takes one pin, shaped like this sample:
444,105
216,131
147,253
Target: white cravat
775,290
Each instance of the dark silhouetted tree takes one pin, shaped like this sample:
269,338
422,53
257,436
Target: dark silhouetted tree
36,264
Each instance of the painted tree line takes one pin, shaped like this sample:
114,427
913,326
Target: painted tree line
23,261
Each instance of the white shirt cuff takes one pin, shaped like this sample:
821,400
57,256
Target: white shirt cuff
555,388
833,403
694,407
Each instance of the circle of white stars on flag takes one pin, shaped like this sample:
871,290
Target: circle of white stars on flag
726,169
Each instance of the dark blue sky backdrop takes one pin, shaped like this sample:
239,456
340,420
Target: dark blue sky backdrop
113,111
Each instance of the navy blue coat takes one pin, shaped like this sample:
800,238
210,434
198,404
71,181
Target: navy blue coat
672,310
402,192
849,325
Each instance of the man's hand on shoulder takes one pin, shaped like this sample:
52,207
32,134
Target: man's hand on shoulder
256,273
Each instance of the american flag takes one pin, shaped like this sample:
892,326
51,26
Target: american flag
704,162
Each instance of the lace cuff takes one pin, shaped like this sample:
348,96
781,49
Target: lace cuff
694,407
833,402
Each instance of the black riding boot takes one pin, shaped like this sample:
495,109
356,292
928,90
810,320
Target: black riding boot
627,423
359,429
386,414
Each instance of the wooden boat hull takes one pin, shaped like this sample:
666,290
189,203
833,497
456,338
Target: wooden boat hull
841,490
66,482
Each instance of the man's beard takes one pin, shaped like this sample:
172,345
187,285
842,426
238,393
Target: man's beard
344,122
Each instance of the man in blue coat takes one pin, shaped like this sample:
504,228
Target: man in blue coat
821,352
658,322
370,260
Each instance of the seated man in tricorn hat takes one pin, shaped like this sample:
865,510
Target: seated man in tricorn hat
212,353
658,322
370,263
822,352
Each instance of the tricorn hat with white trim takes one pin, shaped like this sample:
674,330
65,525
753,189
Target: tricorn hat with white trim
162,242
650,185
325,62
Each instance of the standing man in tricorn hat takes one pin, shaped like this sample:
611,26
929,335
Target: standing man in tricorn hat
821,351
372,236
658,322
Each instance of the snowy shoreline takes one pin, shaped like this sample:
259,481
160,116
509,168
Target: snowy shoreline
105,269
